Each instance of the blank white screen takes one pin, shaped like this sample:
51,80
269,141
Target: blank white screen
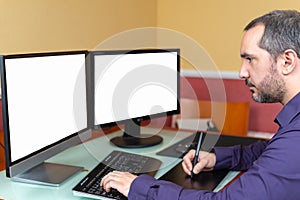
134,85
42,92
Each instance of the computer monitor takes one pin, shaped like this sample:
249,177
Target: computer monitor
134,85
44,98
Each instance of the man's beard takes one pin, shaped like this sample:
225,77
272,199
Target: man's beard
271,89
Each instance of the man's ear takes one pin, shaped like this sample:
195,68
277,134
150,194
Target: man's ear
289,58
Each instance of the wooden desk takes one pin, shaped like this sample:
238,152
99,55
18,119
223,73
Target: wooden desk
88,155
2,159
2,156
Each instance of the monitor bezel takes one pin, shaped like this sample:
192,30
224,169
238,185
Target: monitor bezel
21,165
139,119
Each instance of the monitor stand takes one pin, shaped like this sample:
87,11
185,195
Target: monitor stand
51,174
132,137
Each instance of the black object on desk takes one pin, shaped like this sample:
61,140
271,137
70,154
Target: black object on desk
205,180
195,161
89,186
211,140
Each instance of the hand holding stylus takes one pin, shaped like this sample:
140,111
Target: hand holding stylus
192,166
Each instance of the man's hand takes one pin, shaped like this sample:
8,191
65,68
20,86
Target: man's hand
206,162
120,181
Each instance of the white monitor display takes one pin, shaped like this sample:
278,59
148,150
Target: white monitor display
44,104
135,85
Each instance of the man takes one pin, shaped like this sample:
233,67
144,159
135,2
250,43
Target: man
270,52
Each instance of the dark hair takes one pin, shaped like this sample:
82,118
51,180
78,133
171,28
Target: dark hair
282,31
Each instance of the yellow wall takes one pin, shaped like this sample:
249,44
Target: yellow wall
50,25
216,24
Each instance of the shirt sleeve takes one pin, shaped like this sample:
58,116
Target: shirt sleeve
238,157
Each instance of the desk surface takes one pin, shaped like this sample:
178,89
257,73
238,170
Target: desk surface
2,160
88,155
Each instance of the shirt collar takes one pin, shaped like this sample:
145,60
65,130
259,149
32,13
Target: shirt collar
289,111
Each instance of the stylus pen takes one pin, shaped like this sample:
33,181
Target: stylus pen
197,153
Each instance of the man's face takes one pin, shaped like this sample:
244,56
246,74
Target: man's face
260,69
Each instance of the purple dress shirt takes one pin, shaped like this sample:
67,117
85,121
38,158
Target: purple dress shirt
273,168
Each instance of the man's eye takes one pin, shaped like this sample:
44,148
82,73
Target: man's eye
249,59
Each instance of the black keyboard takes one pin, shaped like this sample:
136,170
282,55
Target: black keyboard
89,186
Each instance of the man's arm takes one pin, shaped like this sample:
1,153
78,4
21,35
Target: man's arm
238,157
235,158
266,179
249,184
